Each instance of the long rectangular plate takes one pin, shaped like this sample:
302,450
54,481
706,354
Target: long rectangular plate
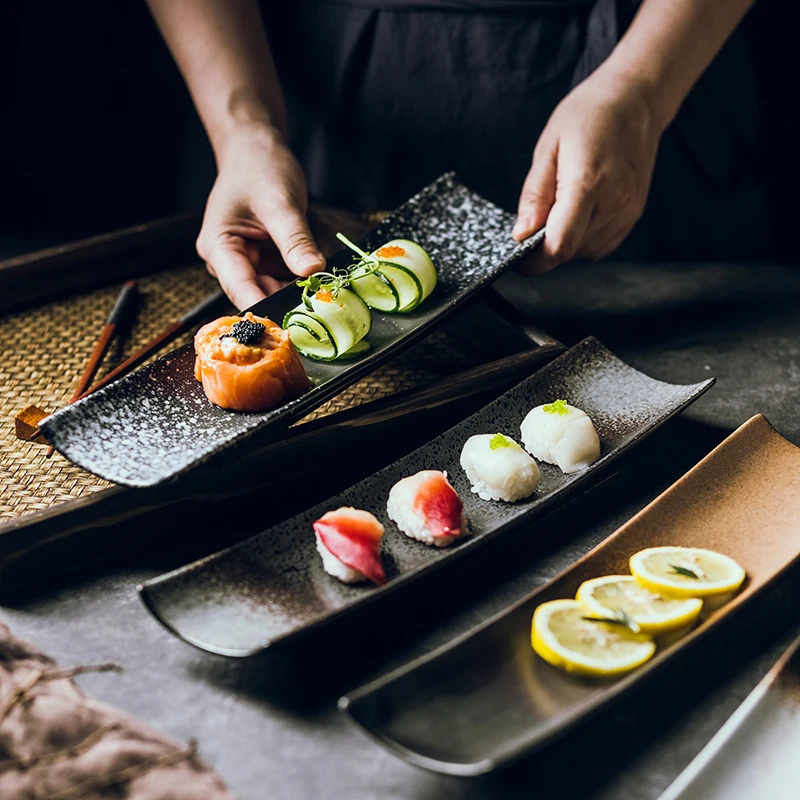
754,754
156,423
55,540
272,586
486,698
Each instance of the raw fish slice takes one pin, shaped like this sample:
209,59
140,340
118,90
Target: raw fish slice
426,507
352,537
248,364
561,434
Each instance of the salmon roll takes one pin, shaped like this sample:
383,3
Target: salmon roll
248,363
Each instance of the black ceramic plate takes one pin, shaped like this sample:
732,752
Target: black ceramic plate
156,423
272,586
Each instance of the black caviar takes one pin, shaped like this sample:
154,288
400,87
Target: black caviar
246,332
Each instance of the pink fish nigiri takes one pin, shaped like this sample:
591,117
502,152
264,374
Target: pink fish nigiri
426,507
349,541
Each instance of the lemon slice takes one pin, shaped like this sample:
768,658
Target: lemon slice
621,597
686,571
564,638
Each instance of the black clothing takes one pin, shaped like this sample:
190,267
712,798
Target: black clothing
385,95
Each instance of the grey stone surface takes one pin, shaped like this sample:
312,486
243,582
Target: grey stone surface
269,725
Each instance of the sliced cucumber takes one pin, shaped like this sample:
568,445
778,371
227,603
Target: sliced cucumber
309,335
419,262
377,291
358,349
408,287
411,275
331,327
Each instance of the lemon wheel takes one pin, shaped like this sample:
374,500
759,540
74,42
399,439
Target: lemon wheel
563,637
686,571
622,597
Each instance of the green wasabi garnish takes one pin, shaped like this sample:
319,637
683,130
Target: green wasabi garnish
558,407
500,441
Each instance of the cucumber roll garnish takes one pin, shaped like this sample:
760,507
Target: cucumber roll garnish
395,278
331,320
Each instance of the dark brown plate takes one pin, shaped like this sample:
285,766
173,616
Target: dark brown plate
487,698
156,423
272,586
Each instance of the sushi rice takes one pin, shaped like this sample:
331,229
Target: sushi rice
498,468
333,566
425,523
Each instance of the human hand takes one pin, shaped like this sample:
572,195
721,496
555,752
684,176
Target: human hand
591,171
255,236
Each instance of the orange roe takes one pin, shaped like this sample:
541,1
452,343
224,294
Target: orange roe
392,251
324,297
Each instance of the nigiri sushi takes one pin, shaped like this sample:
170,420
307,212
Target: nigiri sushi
561,434
248,363
349,541
426,507
498,468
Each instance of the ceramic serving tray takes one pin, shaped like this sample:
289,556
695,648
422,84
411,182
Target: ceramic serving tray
272,586
156,423
487,698
754,754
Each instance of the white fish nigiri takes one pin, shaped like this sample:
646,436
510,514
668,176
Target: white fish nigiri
561,434
349,541
498,468
427,508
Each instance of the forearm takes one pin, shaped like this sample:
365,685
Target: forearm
223,54
670,44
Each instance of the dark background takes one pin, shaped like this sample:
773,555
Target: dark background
97,130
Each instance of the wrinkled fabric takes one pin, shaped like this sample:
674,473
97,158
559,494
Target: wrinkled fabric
385,95
58,744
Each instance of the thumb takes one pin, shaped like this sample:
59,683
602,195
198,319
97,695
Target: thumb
538,193
289,230
236,275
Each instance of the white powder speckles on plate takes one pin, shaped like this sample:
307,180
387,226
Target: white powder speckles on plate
156,423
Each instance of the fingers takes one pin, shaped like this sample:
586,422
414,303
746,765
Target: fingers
538,192
234,271
288,227
567,226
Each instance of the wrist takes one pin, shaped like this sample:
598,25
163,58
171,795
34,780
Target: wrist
246,114
650,81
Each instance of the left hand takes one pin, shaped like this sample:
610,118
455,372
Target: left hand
591,171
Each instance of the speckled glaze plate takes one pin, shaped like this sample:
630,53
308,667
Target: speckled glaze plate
754,754
272,586
156,423
487,698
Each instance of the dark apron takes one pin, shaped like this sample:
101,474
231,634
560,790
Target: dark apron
385,95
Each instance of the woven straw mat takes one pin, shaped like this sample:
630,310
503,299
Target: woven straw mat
44,351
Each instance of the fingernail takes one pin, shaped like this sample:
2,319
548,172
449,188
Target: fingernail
311,261
521,227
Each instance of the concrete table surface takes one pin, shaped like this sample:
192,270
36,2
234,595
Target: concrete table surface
270,725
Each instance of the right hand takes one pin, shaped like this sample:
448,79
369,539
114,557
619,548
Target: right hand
255,236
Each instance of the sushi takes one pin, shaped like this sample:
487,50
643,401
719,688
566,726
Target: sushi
498,468
561,434
427,508
349,541
247,364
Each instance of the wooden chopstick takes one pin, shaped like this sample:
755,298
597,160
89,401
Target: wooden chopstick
107,335
188,320
178,327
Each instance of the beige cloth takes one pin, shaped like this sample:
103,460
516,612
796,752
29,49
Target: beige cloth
58,744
